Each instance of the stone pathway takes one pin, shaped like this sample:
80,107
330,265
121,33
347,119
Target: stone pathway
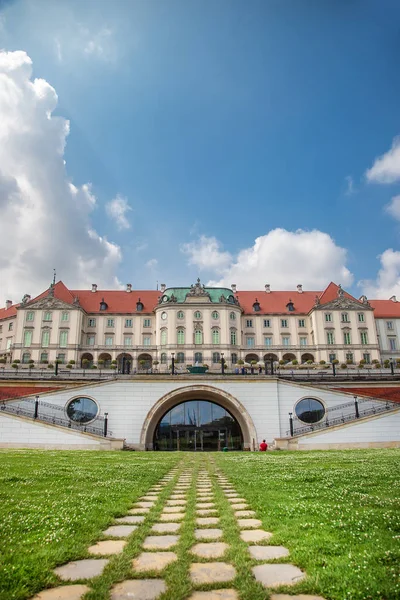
160,543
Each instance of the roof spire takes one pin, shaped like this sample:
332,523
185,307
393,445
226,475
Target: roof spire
54,277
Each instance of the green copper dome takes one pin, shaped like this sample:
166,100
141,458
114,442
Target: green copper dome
215,294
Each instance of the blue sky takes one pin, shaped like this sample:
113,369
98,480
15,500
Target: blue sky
220,122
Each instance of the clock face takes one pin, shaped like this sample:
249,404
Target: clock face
165,298
163,316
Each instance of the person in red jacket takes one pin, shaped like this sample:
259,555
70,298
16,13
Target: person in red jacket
263,446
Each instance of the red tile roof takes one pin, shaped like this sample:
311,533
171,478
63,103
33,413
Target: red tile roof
331,292
384,393
8,392
385,309
6,313
275,302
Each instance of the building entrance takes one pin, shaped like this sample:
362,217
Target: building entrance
198,426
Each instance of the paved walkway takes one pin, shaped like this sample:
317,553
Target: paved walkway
207,566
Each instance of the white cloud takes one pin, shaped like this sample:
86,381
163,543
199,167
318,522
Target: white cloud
386,168
206,254
98,44
281,258
350,189
45,219
387,283
58,49
117,209
152,263
393,209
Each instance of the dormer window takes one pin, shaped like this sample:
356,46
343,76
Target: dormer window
256,306
139,306
290,306
103,305
231,299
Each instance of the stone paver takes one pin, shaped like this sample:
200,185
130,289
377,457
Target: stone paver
130,519
160,542
176,502
144,504
107,547
205,505
120,531
206,511
240,506
166,527
249,523
255,535
207,534
178,496
268,552
172,517
173,509
297,597
138,589
245,513
216,572
208,498
64,592
236,500
148,498
210,550
81,569
138,511
207,521
153,561
216,595
274,575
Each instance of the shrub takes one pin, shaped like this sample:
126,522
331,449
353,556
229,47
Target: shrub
31,361
295,362
375,361
240,362
309,361
50,366
45,362
58,362
206,366
189,366
93,367
2,361
16,361
343,366
69,366
156,362
360,366
335,362
114,362
14,366
281,362
386,363
71,362
377,365
113,366
322,362
362,361
100,362
349,361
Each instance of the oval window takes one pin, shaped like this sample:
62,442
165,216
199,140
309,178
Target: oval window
232,316
215,315
180,314
197,315
310,410
82,410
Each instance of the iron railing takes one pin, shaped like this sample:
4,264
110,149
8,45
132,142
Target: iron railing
39,410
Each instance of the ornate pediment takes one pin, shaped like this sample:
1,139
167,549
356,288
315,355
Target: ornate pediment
49,303
343,303
197,291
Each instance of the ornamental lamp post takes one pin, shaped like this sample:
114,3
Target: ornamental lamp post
105,424
291,424
222,363
36,413
173,363
391,365
356,407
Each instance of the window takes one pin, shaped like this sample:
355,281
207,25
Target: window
284,323
361,318
332,357
90,340
234,359
1,328
286,341
389,324
290,306
197,315
328,317
65,316
180,358
61,358
349,356
30,316
367,358
250,342
302,322
147,340
215,315
109,340
146,322
345,318
330,338
127,340
347,338
45,338
110,323
181,336
216,357
180,314
268,341
63,339
198,337
8,344
91,322
310,410
44,357
82,410
233,337
128,323
267,322
232,316
215,336
27,338
164,358
364,338
198,357
164,335
10,326
249,322
25,358
392,343
47,316
303,341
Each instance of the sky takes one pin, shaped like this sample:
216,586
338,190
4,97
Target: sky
239,142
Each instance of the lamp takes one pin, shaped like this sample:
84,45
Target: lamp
291,424
173,363
222,363
356,407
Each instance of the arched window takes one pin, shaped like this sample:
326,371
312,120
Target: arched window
233,337
44,357
181,336
215,336
198,336
180,314
216,357
234,359
232,316
164,334
164,358
180,358
25,358
198,357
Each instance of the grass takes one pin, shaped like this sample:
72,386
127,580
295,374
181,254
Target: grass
337,513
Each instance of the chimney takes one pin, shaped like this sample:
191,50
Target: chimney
128,287
8,304
233,288
267,288
300,288
163,287
94,287
393,298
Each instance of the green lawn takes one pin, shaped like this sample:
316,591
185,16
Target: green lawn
338,512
